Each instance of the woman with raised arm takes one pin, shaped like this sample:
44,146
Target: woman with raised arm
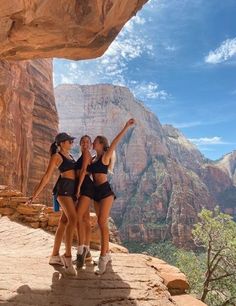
85,194
104,195
66,188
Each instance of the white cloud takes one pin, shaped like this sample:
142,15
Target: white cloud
207,141
148,90
65,79
223,53
132,43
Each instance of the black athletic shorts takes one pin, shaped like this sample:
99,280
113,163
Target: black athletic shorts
103,191
87,187
66,187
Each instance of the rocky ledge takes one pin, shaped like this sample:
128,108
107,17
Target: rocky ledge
27,279
131,279
12,204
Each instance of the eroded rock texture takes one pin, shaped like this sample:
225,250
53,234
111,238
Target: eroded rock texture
161,180
131,279
76,29
28,123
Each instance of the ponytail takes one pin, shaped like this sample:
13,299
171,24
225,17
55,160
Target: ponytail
53,148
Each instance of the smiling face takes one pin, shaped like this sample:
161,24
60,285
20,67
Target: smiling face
85,143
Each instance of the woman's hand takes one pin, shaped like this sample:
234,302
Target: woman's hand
30,200
130,123
78,193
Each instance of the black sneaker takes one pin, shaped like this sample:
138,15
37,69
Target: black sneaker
88,256
80,258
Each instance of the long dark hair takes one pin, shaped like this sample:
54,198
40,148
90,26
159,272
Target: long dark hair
53,148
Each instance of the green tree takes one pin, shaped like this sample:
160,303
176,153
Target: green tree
193,266
215,233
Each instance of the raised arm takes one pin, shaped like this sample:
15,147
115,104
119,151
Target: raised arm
53,163
108,154
83,171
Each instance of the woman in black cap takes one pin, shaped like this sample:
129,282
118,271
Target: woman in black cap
61,159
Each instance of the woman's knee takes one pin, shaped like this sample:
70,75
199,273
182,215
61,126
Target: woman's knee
63,220
72,219
102,222
86,218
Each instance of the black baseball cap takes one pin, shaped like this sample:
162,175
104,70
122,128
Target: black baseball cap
63,137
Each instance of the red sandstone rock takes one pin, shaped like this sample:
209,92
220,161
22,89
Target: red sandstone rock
53,218
39,215
187,300
7,191
29,123
29,209
173,278
116,248
6,211
69,29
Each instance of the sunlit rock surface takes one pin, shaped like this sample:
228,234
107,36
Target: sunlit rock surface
76,29
28,123
131,279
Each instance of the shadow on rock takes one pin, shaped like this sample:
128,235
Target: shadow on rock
84,289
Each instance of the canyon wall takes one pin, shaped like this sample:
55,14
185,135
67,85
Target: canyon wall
28,123
69,29
161,179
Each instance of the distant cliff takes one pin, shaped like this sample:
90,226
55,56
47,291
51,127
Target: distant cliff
161,179
28,125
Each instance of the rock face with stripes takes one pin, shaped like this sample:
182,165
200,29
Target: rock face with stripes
161,179
28,123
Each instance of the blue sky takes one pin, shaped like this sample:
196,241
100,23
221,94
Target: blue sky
179,58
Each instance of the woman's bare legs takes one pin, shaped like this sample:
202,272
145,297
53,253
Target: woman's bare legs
103,215
87,227
68,207
83,221
96,207
59,234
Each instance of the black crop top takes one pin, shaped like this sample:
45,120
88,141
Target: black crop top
67,164
79,164
98,167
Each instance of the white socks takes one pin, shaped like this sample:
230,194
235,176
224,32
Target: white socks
87,247
80,248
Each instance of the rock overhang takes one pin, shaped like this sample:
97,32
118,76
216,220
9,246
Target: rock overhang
73,30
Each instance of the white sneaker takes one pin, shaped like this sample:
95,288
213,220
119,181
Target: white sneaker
109,257
67,262
96,259
102,264
55,260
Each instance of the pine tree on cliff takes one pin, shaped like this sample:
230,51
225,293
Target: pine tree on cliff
212,274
